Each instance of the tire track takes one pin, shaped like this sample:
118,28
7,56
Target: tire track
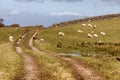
80,71
30,64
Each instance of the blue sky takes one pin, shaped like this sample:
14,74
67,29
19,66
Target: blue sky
47,12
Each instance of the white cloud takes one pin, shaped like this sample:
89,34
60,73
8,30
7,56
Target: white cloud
66,14
14,12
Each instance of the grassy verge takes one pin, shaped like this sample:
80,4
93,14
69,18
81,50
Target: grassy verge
10,63
51,68
74,41
108,66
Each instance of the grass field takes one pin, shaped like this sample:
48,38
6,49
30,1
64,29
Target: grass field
10,61
73,42
51,68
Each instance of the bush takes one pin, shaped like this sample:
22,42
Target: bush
15,25
2,25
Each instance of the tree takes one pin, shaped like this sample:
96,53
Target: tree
2,25
1,22
15,25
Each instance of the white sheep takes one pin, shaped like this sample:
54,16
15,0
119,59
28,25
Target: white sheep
95,26
80,31
90,25
42,40
103,33
99,41
11,38
89,35
95,35
84,25
61,34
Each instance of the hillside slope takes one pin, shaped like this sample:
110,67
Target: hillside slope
75,41
99,52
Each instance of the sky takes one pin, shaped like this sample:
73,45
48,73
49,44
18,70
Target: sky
48,12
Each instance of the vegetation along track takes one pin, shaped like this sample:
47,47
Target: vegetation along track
81,71
30,66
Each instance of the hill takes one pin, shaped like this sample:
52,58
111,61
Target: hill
94,18
101,52
74,41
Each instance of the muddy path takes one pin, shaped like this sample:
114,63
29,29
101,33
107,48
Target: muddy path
80,70
30,64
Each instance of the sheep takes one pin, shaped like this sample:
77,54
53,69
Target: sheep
89,21
61,34
90,25
34,38
90,35
118,58
95,35
84,25
80,31
102,33
42,40
11,38
95,26
99,41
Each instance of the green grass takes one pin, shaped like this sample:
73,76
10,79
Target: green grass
73,43
51,68
108,66
73,40
11,64
5,32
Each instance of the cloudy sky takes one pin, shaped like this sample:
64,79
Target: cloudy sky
47,12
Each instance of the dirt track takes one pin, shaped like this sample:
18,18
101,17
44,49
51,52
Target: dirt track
30,66
80,71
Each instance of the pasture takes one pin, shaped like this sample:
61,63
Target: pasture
10,61
101,57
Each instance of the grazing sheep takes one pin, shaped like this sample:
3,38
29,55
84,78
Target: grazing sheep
80,31
11,38
95,26
42,40
118,58
95,35
99,41
61,34
89,21
90,25
84,25
90,35
20,37
102,33
34,37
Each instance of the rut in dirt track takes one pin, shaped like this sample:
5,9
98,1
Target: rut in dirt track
30,64
80,71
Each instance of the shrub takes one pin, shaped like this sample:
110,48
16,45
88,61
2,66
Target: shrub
15,25
2,25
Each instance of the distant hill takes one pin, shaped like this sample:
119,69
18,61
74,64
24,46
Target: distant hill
75,40
103,17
